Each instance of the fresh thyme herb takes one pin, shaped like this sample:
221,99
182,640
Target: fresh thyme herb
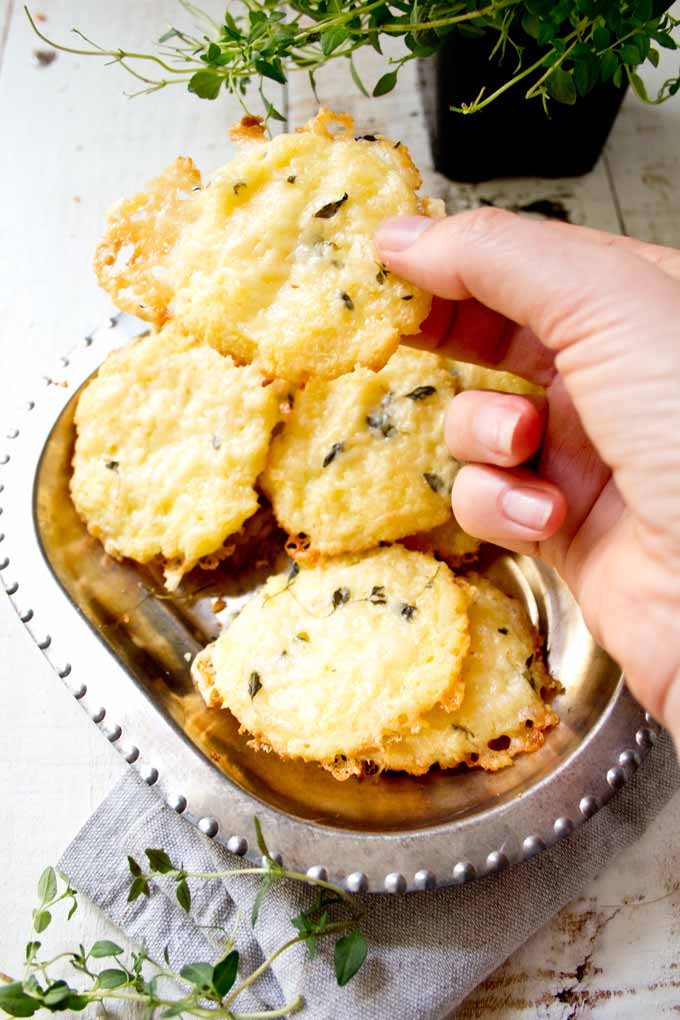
380,421
377,596
239,186
293,571
335,449
366,138
382,274
292,178
346,300
112,465
254,684
327,211
407,611
421,392
435,482
502,630
216,442
463,729
407,297
207,989
340,597
396,145
581,45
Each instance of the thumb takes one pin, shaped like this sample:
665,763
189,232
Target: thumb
563,285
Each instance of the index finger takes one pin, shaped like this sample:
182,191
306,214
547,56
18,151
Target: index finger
469,331
562,288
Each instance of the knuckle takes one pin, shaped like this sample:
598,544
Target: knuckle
485,222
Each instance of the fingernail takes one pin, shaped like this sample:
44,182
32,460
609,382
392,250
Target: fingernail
400,232
527,507
494,429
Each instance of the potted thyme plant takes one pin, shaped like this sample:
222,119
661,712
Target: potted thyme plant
512,87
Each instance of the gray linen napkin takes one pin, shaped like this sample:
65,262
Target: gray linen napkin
427,950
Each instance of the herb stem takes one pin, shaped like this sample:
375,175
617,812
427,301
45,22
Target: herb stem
335,926
292,1007
452,20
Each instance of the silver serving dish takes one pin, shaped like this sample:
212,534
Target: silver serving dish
123,647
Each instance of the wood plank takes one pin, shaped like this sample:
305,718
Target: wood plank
643,158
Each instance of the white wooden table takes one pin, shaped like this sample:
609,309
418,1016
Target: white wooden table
71,144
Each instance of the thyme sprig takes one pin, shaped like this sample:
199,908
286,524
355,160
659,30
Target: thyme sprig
208,991
583,42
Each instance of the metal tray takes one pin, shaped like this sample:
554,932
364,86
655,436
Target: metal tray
123,647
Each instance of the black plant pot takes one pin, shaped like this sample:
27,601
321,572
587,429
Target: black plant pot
512,137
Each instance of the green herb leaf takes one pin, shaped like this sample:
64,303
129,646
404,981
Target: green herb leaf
665,40
377,596
638,86
254,684
159,861
629,54
41,920
340,597
76,1003
385,84
225,973
502,630
421,392
332,38
205,84
15,1001
47,885
335,449
112,978
183,896
434,481
198,974
346,300
104,948
134,867
259,836
407,611
267,882
561,86
139,887
272,70
327,211
349,955
608,65
56,994
356,79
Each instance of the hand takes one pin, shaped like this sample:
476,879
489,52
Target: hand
589,479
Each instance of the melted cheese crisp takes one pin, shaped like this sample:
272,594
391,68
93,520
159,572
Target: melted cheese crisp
362,459
502,713
447,540
327,663
275,259
171,439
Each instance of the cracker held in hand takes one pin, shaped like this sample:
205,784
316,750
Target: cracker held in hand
447,541
274,260
362,459
503,712
171,439
326,663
